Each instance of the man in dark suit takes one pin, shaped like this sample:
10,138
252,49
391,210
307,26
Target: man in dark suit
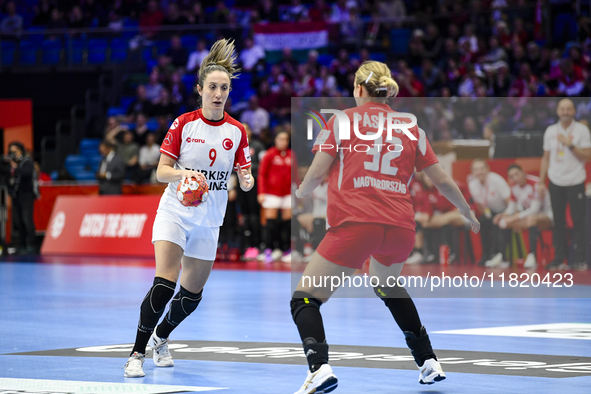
111,171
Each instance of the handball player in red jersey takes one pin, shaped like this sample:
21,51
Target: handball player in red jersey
206,144
370,214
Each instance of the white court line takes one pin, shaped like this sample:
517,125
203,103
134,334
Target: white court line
78,387
554,330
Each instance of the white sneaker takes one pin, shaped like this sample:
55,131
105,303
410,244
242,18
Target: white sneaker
415,258
276,255
297,257
530,261
504,264
431,372
159,346
495,261
286,258
133,367
319,382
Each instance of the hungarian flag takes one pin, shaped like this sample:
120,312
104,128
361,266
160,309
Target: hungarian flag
297,36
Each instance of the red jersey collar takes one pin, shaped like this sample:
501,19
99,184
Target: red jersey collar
210,122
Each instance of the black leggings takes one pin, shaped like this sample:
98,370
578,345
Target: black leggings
575,197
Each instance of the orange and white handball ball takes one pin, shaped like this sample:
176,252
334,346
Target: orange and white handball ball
191,192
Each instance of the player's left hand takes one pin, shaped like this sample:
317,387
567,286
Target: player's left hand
298,192
474,223
245,180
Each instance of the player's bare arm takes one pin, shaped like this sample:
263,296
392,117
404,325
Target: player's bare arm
246,179
166,173
451,191
318,169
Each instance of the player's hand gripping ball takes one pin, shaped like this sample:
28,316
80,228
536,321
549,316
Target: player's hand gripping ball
191,192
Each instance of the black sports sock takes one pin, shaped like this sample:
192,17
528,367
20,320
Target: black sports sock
151,310
285,235
270,233
183,304
405,313
533,239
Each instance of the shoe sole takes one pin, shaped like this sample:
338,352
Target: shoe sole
164,366
327,386
437,378
134,376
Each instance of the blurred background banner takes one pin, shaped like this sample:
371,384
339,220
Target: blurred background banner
105,225
303,35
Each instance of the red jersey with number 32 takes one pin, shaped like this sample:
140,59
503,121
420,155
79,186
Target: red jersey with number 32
369,179
212,148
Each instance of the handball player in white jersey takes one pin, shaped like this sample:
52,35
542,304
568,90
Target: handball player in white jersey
206,144
370,214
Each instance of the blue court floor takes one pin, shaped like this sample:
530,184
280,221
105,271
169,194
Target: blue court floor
68,329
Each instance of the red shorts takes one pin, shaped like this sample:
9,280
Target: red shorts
350,244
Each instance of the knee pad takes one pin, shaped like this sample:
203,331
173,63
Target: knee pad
302,300
155,301
388,293
183,304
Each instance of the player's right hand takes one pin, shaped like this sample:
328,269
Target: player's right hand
189,174
475,224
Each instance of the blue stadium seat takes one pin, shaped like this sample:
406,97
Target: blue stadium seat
85,175
150,64
161,46
129,126
38,35
95,161
565,27
378,56
75,170
97,51
75,160
51,50
189,82
147,54
116,111
324,60
8,48
189,42
399,41
75,49
130,23
152,125
89,146
28,53
118,50
126,101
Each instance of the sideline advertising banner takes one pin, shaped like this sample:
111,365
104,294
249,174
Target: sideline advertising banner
101,225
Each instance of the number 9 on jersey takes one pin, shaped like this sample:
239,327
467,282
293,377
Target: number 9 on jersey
191,192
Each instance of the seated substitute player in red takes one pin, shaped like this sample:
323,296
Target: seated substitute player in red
205,144
527,210
370,214
436,216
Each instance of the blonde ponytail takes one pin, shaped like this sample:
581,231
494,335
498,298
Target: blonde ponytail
222,57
